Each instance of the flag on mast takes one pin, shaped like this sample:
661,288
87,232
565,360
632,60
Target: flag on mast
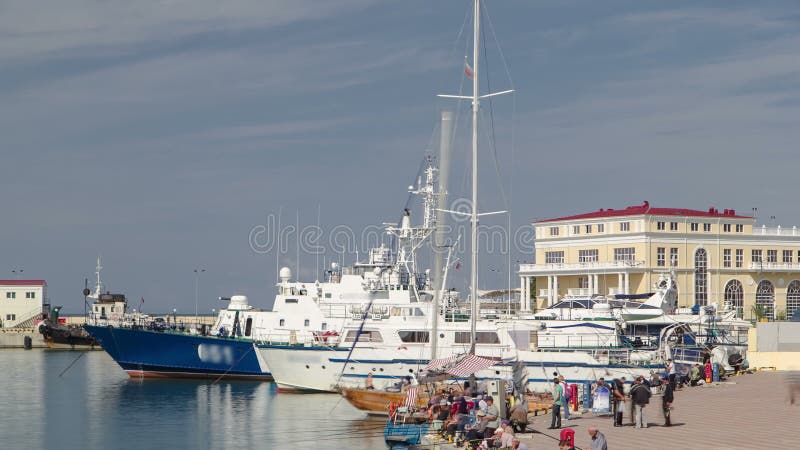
468,69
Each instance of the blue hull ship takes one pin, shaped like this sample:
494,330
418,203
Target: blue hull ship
146,353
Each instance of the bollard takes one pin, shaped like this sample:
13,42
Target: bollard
715,372
27,342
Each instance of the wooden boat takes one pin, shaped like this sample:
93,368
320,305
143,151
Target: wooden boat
377,402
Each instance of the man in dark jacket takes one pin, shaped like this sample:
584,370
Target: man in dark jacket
640,395
666,402
617,399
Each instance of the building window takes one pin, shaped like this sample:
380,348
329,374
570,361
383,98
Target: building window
576,229
792,298
756,256
554,257
625,254
673,226
601,227
734,296
739,228
583,282
772,256
700,277
739,257
787,256
706,227
673,257
661,258
765,298
726,227
660,226
11,317
11,295
726,257
587,255
624,226
694,226
588,229
30,295
553,231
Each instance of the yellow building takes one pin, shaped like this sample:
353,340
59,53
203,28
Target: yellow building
716,257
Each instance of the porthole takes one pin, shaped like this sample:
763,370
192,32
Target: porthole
352,368
381,369
497,372
323,367
307,366
373,369
410,370
441,335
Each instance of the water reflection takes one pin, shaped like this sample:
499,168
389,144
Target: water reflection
94,405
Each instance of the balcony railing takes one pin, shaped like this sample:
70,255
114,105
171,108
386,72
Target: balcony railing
579,292
775,231
545,293
583,266
775,267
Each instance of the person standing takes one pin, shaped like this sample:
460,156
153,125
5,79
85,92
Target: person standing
617,401
671,372
640,395
558,396
492,417
598,439
566,395
666,402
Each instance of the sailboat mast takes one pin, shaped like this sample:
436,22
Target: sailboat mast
474,218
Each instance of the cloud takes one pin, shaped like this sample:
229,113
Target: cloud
35,29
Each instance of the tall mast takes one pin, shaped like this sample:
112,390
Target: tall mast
474,219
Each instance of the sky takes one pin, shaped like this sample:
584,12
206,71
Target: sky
166,136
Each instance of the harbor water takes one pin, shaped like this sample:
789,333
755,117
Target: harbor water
95,405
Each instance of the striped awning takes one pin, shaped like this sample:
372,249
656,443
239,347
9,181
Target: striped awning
469,365
460,365
441,362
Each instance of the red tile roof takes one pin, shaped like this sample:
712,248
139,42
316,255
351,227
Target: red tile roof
23,283
646,209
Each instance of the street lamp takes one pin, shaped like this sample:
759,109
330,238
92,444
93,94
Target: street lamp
197,273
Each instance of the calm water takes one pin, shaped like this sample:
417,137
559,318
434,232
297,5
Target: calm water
94,405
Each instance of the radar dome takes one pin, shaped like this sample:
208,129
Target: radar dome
238,303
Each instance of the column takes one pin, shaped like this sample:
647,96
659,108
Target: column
627,283
555,288
596,284
590,278
620,288
549,290
522,293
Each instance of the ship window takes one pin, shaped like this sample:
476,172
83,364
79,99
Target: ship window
481,337
327,295
324,326
366,336
291,300
282,322
248,326
306,323
414,336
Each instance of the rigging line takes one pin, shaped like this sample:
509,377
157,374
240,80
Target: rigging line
71,364
235,364
492,138
497,44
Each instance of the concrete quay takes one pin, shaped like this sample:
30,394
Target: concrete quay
746,412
